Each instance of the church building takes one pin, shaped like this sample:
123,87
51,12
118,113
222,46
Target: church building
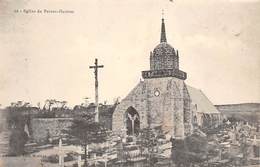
161,99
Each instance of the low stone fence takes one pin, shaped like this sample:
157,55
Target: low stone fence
44,129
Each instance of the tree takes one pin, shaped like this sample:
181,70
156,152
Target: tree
192,150
63,104
17,118
48,104
18,139
86,131
149,142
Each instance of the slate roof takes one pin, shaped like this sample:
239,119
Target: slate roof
204,105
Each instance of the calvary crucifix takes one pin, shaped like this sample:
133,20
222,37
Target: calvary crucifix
132,119
96,67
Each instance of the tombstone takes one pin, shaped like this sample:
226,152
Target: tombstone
26,129
95,158
254,140
124,134
232,136
105,159
87,151
79,151
256,149
79,160
233,128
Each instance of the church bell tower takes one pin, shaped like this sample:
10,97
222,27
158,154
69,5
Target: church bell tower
164,60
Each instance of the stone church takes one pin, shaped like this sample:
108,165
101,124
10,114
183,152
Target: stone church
160,99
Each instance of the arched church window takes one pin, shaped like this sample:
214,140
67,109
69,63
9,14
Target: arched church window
132,121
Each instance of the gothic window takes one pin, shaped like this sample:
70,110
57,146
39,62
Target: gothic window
132,121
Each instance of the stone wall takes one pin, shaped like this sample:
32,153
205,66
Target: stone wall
249,112
44,128
135,99
164,108
4,133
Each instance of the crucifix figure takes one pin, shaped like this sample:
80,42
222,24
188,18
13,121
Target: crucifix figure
96,67
132,119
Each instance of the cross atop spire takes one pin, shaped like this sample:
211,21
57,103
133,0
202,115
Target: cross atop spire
163,33
162,13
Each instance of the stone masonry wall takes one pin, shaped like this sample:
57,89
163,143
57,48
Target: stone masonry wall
136,99
165,109
42,128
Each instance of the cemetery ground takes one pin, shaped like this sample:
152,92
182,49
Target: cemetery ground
230,144
233,143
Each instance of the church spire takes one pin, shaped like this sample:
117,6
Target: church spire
163,33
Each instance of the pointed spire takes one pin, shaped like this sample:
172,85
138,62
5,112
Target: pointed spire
163,33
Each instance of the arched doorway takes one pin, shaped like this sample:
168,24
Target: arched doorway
132,121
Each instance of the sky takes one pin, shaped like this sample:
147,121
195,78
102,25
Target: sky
47,55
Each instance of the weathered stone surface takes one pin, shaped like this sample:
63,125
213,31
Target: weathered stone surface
44,128
163,57
165,109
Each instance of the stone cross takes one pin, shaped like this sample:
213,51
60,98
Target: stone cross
132,118
106,154
79,151
96,67
228,122
61,154
162,13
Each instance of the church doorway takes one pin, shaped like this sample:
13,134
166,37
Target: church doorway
132,121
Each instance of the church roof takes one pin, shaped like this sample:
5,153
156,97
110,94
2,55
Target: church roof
204,105
164,46
163,32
